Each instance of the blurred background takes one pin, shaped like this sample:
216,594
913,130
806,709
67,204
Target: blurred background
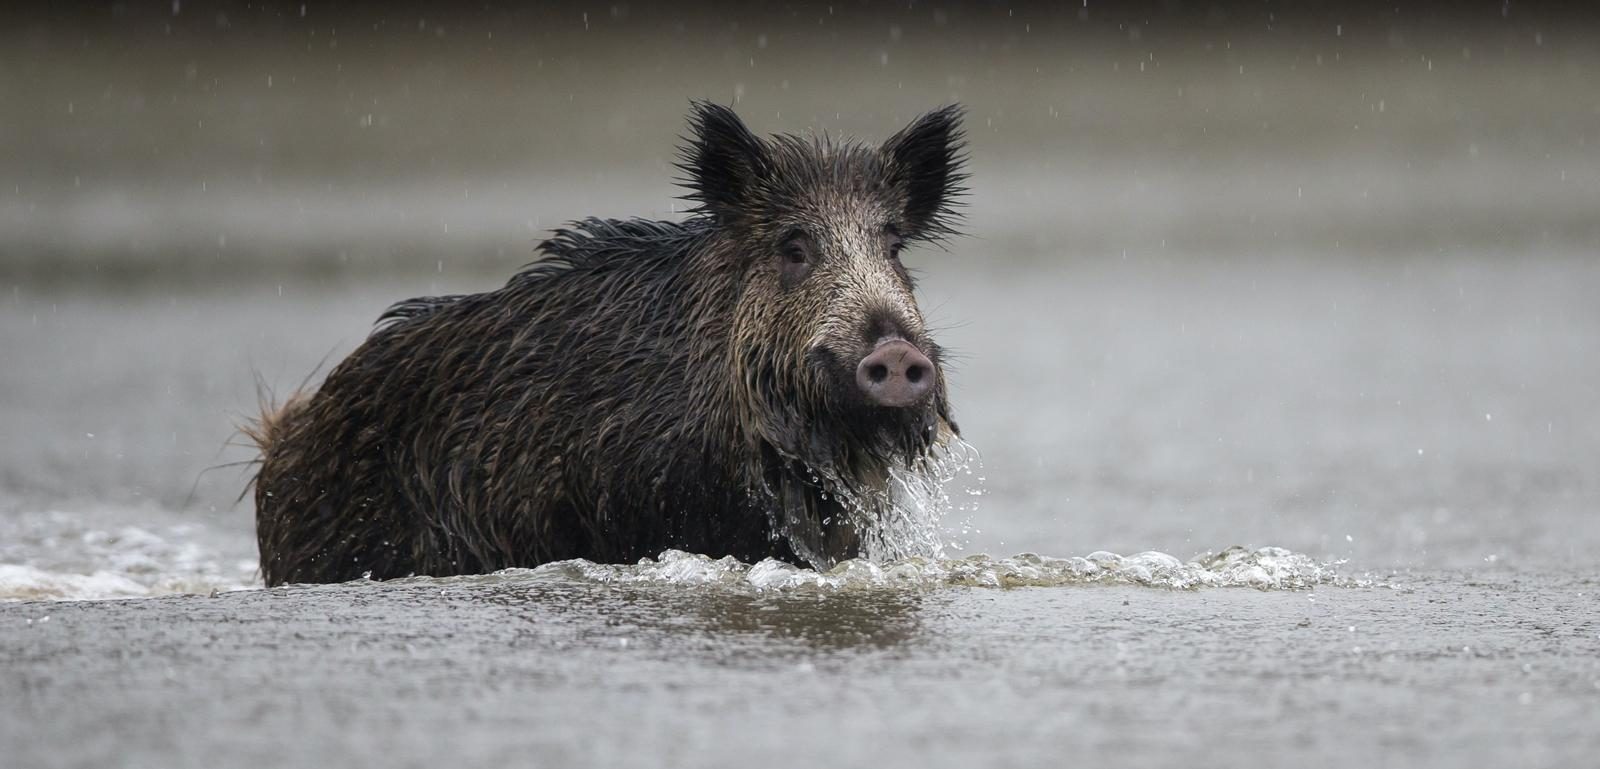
1311,274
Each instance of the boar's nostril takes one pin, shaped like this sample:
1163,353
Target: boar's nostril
896,374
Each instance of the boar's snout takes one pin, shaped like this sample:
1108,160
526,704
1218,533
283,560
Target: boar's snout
895,374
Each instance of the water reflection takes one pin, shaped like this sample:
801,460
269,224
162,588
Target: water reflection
865,619
732,620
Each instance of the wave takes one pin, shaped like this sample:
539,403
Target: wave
1265,568
60,556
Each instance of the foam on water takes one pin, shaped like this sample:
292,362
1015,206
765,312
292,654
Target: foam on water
1265,568
63,556
58,556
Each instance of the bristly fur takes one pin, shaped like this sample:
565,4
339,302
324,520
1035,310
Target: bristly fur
644,385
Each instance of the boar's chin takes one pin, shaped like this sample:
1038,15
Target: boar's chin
861,442
897,436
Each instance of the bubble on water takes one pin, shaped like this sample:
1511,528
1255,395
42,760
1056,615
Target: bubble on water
57,556
1266,568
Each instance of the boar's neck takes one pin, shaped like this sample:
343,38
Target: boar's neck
810,520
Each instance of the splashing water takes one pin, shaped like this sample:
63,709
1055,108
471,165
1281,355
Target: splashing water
906,520
1266,568
82,555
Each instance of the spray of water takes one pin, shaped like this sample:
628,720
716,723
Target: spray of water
906,519
1265,568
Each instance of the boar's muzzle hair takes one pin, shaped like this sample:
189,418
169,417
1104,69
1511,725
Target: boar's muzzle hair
756,380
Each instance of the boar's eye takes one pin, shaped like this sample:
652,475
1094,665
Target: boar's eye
794,259
896,244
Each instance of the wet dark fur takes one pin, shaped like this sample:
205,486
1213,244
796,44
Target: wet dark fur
645,385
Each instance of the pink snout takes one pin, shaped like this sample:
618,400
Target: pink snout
895,374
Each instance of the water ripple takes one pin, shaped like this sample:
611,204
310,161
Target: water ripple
1265,568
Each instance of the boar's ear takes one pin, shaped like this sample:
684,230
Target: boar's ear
723,162
925,163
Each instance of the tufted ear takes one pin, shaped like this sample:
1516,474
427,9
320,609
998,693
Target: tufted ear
925,162
723,163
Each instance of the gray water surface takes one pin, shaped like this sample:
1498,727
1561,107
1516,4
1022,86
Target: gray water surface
1438,669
